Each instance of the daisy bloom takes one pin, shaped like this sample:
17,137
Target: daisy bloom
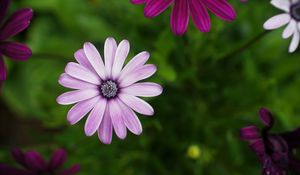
183,8
34,164
290,17
18,22
275,151
107,90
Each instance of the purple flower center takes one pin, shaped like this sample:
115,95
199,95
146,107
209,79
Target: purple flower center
109,89
295,11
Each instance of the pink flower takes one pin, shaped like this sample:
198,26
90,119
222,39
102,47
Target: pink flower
183,8
107,90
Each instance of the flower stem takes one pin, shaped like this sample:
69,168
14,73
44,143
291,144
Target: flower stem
244,46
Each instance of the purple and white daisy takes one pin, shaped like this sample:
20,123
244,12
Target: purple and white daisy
290,17
182,9
18,22
275,151
34,164
107,90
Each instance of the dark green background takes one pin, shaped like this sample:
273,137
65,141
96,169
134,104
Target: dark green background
214,84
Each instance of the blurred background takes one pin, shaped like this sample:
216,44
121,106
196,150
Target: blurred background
214,84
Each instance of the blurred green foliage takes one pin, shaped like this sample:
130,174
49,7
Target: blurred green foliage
209,94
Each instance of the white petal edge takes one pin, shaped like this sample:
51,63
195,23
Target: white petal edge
145,89
290,29
95,117
69,82
110,48
117,119
277,21
79,72
105,130
131,120
121,55
76,96
282,4
136,62
137,104
79,110
295,42
95,59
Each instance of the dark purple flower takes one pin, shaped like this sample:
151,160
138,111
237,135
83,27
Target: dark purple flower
18,22
33,164
275,151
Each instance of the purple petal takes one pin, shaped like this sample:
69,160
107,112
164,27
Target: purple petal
143,89
138,61
70,171
250,133
295,164
81,58
77,96
121,55
116,114
106,128
58,159
94,119
6,170
78,71
258,146
155,7
110,48
19,156
35,161
73,83
95,59
18,22
16,51
138,1
137,104
199,15
3,9
144,72
221,8
131,120
2,69
180,17
266,117
78,111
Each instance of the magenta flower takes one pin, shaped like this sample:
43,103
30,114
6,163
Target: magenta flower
108,90
18,22
183,8
34,164
275,151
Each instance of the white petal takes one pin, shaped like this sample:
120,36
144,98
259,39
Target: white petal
144,72
78,71
95,59
295,42
277,21
76,96
117,119
121,55
290,29
131,120
143,89
281,4
94,120
110,48
78,111
135,63
137,104
73,83
105,130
